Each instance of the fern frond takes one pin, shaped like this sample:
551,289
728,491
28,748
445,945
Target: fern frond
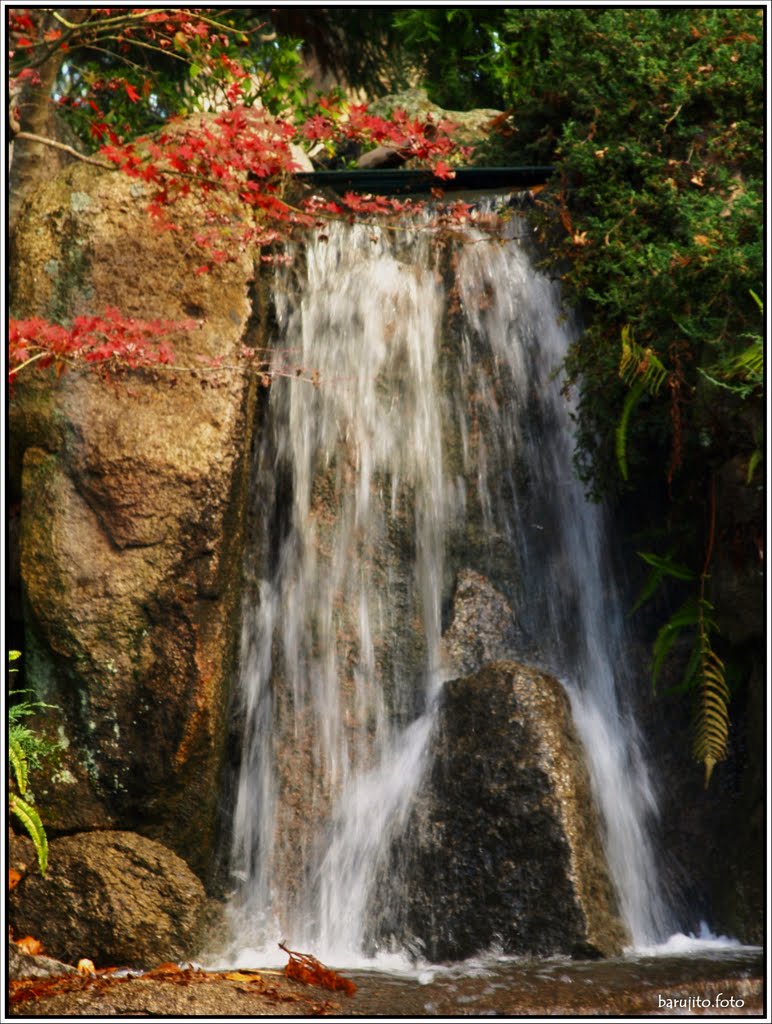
650,585
687,615
642,364
620,434
750,362
743,373
642,371
666,565
712,718
19,764
661,566
753,462
30,819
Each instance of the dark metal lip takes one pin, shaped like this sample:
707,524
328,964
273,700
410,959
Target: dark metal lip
404,182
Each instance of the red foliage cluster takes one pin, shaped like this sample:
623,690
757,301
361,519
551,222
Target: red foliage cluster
21,27
108,340
426,141
233,164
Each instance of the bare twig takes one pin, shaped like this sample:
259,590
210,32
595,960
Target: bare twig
31,137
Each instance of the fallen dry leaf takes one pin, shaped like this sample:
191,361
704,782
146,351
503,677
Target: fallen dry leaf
86,967
32,946
165,968
306,968
14,877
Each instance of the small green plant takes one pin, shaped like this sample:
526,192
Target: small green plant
741,372
26,751
705,673
642,371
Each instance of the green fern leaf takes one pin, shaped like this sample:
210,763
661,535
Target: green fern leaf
692,669
18,764
642,364
620,434
712,718
642,371
661,566
667,566
30,819
649,587
753,462
687,615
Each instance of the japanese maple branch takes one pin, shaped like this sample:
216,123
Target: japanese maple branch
123,19
31,137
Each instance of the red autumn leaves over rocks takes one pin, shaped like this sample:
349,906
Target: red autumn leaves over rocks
235,164
110,339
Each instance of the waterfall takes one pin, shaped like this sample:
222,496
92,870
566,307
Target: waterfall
570,613
438,438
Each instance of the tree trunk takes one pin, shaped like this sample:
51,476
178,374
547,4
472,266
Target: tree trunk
31,162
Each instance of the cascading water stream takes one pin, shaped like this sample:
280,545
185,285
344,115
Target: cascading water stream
569,611
365,486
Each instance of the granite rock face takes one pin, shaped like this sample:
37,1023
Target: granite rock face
503,848
116,898
131,492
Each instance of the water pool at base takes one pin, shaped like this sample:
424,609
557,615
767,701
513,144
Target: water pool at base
686,976
721,983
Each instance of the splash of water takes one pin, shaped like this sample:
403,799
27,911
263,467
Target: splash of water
364,483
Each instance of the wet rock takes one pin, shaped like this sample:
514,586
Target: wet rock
131,495
24,965
117,898
381,156
503,848
482,628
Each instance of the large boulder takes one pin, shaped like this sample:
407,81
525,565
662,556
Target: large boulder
116,898
503,847
132,496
